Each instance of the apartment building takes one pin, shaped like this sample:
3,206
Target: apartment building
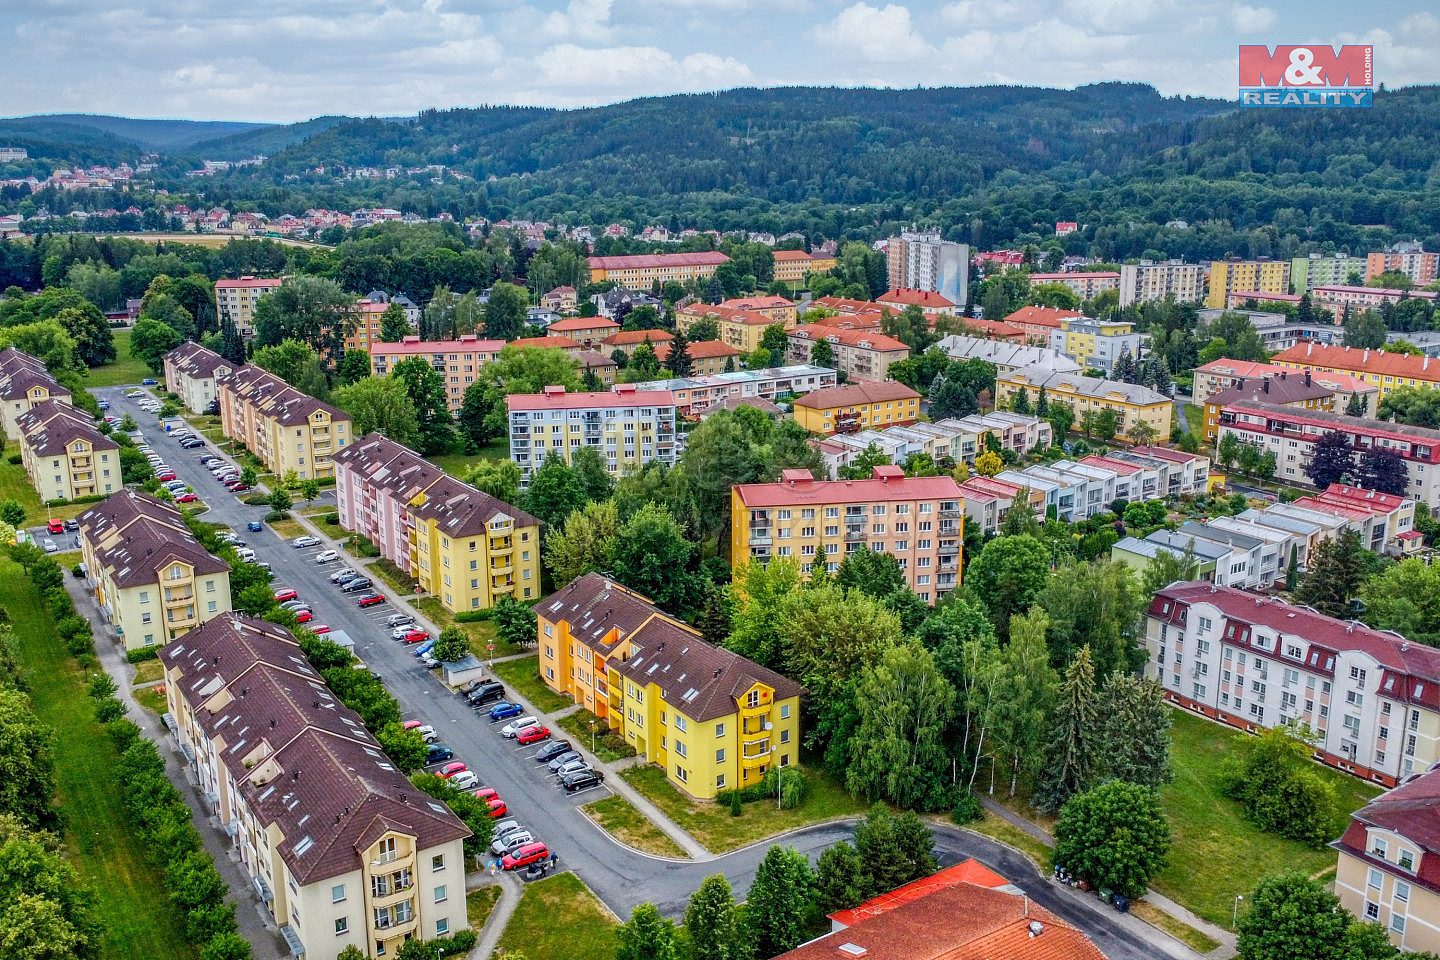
1253,662
793,266
1040,323
1291,435
991,329
235,300
923,261
192,372
958,440
1085,285
1241,299
1096,344
571,347
1383,369
741,329
1388,868
856,406
1318,270
775,309
561,299
1130,402
152,579
337,844
1408,258
605,369
376,480
588,332
898,299
1300,392
1222,374
1007,356
696,394
918,520
859,354
628,341
1263,276
707,357
64,455
630,426
643,270
24,382
469,549
458,361
1173,279
1338,299
288,430
362,331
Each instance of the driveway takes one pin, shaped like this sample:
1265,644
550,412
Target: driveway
621,877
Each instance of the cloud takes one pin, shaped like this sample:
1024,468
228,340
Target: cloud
582,19
1246,19
876,34
634,70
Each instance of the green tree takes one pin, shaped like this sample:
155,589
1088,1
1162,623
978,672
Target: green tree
393,325
864,464
453,644
405,748
1404,597
1007,577
652,555
822,354
499,478
27,758
1133,742
515,622
1291,917
647,936
554,491
1116,836
505,316
590,471
1337,570
1331,461
1023,691
296,363
756,593
585,544
484,415
314,310
279,500
779,902
1071,754
354,366
897,751
89,329
150,340
1272,778
872,572
12,513
380,404
893,849
309,490
712,922
1094,605
678,361
426,388
643,365
841,879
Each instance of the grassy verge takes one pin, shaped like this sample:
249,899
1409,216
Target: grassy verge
288,529
998,828
479,904
1160,920
609,747
398,579
717,831
148,671
317,511
617,817
1208,828
558,918
126,369
481,634
360,548
459,464
524,676
69,559
131,904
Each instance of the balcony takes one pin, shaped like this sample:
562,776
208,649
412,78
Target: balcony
951,512
179,595
755,752
760,536
949,548
856,534
499,570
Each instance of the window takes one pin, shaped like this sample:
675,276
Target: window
1375,879
387,850
1397,923
784,736
437,863
720,782
1379,848
1372,911
719,756
441,894
681,749
342,926
784,711
337,893
680,723
719,729
1407,860
1402,891
753,700
682,775
442,926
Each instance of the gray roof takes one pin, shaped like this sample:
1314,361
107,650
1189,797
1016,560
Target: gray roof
1043,376
1004,353
1220,535
1204,548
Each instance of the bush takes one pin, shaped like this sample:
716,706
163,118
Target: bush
276,516
968,809
144,653
102,686
331,519
735,803
77,571
123,733
109,709
15,458
58,600
473,616
72,626
463,942
1272,778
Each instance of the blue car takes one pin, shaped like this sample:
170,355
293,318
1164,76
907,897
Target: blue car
505,710
424,648
254,526
149,382
103,404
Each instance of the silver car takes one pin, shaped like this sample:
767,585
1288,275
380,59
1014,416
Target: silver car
573,766
509,841
564,758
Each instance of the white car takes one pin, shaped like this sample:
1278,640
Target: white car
465,780
49,545
133,393
341,574
427,733
306,541
327,556
515,726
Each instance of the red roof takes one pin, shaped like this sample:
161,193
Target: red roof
970,871
643,261
624,395
1062,277
991,328
924,298
626,337
851,338
756,303
1042,316
583,323
248,282
1262,295
1381,291
856,393
991,487
791,256
701,350
842,305
886,483
411,346
1356,358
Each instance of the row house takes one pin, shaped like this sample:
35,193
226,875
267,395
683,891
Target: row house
151,578
193,372
1338,299
1259,298
1006,355
339,848
988,499
630,426
459,361
64,455
643,270
918,520
775,309
1371,697
697,394
628,341
375,481
235,300
1292,434
285,428
958,440
24,382
859,354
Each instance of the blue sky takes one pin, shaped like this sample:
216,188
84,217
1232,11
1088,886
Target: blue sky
283,60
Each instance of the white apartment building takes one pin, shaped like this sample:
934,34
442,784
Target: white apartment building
193,372
1149,280
923,261
630,427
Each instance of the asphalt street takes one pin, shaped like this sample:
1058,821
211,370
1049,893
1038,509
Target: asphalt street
619,875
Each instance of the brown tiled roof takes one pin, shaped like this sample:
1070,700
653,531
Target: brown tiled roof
56,436
135,539
854,394
590,360
637,337
701,350
17,382
13,358
381,462
459,510
1281,389
197,361
273,397
594,605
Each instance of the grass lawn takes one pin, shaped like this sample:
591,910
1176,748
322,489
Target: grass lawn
151,700
148,671
478,905
458,464
288,529
15,485
717,831
608,746
126,369
1186,934
359,547
617,817
132,907
398,579
1209,829
524,676
482,634
67,560
317,511
558,918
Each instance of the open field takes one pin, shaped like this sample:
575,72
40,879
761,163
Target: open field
560,919
126,369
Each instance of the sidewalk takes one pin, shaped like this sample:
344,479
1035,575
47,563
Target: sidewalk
511,889
1227,940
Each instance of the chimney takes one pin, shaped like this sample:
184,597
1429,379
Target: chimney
1307,378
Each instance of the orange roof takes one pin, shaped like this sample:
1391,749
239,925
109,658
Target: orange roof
867,339
1042,316
641,261
545,343
856,393
991,328
627,337
925,298
1356,358
847,306
970,871
791,256
583,323
756,303
701,350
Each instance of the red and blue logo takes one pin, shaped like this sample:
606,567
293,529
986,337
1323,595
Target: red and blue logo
1307,76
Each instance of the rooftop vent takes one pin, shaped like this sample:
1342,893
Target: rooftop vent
852,950
1036,928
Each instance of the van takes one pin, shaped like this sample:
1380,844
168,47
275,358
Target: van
246,554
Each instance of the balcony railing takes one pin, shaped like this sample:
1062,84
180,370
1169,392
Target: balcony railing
856,533
756,749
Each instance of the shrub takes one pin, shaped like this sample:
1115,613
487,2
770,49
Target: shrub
735,803
109,709
968,809
77,571
144,653
473,616
102,686
15,458
123,733
463,942
59,601
332,519
71,626
276,516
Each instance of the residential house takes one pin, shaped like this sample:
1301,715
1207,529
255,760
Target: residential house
469,549
1281,389
1384,369
563,299
1039,323
857,406
1408,258
285,428
235,300
741,329
549,343
1096,344
1131,403
376,480
617,302
859,354
1222,374
1260,276
64,455
696,394
1340,298
928,300
459,361
629,426
628,341
643,270
589,332
793,266
24,382
774,309
1085,285
602,366
192,373
707,357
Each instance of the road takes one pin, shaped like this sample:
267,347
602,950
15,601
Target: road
620,876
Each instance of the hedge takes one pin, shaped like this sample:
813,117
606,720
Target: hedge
143,653
473,616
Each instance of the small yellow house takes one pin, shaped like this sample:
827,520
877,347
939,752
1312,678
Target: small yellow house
857,406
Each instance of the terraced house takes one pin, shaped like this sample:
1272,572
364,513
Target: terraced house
288,430
711,718
153,580
193,373
338,846
24,382
64,455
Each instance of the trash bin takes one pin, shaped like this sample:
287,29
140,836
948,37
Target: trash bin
1122,904
1105,894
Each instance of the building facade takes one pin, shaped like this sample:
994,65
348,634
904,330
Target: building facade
1039,323
1096,344
741,329
64,455
1384,369
1171,279
1085,285
697,394
628,426
1300,392
376,479
469,549
285,428
793,266
1131,403
1408,258
1338,299
918,520
1262,276
857,406
1306,273
923,261
193,373
24,382
458,361
643,270
860,354
1007,356
588,332
235,300
628,341
707,358
1222,374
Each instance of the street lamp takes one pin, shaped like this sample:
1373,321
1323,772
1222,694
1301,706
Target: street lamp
1235,911
774,750
592,736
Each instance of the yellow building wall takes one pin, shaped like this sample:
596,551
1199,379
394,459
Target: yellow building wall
472,573
881,414
571,666
1157,415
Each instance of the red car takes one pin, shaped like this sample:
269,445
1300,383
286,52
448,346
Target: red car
416,636
285,594
238,487
523,856
167,476
186,498
532,735
55,526
371,600
497,808
450,769
320,628
487,793
304,616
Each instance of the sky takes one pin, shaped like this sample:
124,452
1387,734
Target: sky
287,60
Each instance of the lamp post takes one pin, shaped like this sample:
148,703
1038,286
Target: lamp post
773,751
592,736
1235,911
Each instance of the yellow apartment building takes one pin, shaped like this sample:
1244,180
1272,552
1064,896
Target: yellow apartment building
64,455
1381,368
857,406
1131,402
1095,343
469,549
1236,276
288,430
792,266
640,272
24,382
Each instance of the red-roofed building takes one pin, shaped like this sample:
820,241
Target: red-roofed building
792,266
819,522
629,340
1236,300
929,300
969,871
1004,258
846,307
861,354
857,406
640,272
458,361
741,329
1084,285
775,309
1338,297
629,427
1038,323
989,329
1253,662
561,299
547,343
707,357
588,331
1383,368
1064,227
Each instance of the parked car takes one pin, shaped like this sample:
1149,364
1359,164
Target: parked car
254,526
485,692
525,855
403,632
48,545
557,762
582,780
348,577
326,556
532,735
320,629
371,600
192,443
304,615
512,729
505,710
450,769
237,487
55,526
149,382
552,750
416,636
305,541
359,583
167,475
285,593
438,753
399,619
511,840
572,766
498,808
338,575
294,604
103,404
464,780
424,648
486,793
72,525
428,661
186,498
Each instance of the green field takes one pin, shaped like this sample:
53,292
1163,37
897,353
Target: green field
131,902
524,677
1216,853
126,369
458,464
619,818
479,904
560,919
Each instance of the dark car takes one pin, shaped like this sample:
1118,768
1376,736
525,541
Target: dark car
552,750
359,583
254,526
581,780
438,753
504,711
485,692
